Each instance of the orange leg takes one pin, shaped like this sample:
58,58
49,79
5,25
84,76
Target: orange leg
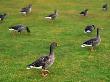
44,72
91,49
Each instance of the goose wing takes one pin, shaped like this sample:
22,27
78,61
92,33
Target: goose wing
88,29
16,27
89,42
51,15
104,6
24,9
1,15
41,62
82,12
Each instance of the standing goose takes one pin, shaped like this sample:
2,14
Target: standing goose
89,28
92,42
19,28
26,10
45,61
84,13
105,7
52,16
2,16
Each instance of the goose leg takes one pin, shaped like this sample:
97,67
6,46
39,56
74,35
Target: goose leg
13,33
92,49
1,21
44,72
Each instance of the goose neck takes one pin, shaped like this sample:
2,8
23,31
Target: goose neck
97,32
51,51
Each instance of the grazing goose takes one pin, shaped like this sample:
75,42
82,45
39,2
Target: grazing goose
105,7
52,16
2,16
92,42
19,28
89,29
84,13
26,10
45,61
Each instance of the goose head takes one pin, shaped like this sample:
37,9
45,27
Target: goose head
4,14
93,26
30,5
56,12
53,45
86,9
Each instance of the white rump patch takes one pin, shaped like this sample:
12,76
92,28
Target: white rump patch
48,17
11,29
39,67
82,14
88,31
23,12
34,67
84,45
104,8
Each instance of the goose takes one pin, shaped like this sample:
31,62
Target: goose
92,42
19,28
89,28
52,16
84,13
2,16
26,10
45,61
105,7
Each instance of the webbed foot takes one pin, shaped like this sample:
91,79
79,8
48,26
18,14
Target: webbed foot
44,73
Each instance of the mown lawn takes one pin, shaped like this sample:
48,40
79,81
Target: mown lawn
73,63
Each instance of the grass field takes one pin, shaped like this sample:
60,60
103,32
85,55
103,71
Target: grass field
73,63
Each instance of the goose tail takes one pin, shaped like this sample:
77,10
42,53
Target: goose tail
88,31
83,45
30,67
48,17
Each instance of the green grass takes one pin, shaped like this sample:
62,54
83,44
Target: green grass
73,63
